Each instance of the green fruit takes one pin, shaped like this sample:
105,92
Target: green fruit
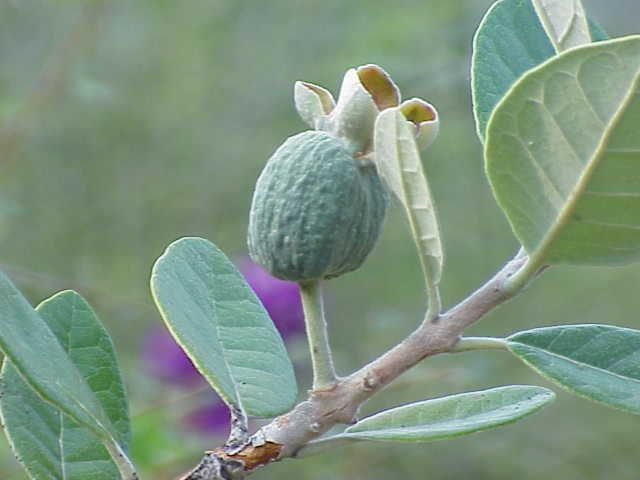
316,212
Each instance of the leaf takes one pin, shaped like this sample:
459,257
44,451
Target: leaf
509,41
597,32
598,362
398,162
563,152
452,415
220,323
564,21
48,443
33,349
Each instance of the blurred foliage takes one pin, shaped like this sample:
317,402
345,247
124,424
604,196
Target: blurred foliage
126,125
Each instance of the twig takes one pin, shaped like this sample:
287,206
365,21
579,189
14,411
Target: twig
287,434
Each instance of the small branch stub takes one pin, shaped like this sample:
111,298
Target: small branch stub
239,434
215,465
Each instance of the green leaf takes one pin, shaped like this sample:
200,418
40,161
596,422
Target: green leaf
220,323
452,415
598,362
563,156
597,32
33,349
48,443
398,162
509,41
564,21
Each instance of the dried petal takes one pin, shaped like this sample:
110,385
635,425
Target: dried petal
424,117
378,83
313,103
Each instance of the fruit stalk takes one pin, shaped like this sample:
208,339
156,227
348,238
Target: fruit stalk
324,375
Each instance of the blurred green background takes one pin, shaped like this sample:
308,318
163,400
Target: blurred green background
126,125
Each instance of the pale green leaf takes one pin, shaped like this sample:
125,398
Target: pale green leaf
398,162
452,415
563,156
564,21
599,362
220,323
48,443
34,350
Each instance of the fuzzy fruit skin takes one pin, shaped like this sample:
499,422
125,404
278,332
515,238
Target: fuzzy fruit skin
316,212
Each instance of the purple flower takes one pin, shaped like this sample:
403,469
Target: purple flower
210,419
165,360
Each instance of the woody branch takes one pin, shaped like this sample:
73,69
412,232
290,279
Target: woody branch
288,434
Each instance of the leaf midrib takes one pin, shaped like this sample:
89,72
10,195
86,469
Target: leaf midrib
216,324
63,464
575,362
231,396
228,363
477,418
431,277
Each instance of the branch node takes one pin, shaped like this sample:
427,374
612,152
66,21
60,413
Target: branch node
216,465
239,434
370,382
